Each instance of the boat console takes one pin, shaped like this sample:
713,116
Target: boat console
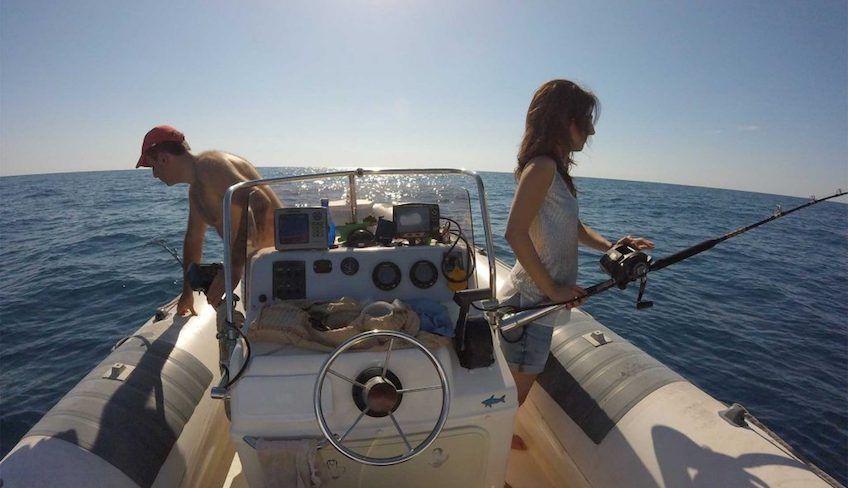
372,273
383,405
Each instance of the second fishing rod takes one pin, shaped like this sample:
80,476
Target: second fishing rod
625,265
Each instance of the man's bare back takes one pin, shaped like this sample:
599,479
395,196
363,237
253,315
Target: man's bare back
215,172
209,175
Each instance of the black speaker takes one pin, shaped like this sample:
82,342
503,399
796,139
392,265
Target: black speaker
385,232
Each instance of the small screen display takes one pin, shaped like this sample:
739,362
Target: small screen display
625,249
413,220
293,229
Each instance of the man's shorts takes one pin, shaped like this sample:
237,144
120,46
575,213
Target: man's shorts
526,349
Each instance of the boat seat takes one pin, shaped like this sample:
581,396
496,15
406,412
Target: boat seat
293,323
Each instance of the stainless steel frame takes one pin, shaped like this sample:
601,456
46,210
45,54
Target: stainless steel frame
338,441
352,175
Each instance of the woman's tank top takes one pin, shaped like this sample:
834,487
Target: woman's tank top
554,235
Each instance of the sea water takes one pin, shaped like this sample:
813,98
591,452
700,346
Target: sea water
761,319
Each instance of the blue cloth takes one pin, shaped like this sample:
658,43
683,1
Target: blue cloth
434,316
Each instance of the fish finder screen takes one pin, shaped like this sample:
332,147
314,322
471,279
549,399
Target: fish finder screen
413,220
293,229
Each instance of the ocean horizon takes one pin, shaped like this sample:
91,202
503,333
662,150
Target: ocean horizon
843,199
759,320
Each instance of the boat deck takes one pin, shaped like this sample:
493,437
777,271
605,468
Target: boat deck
545,463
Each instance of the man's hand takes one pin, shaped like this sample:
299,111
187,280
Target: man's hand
185,306
637,243
215,293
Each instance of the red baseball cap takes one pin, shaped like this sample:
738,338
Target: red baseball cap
158,135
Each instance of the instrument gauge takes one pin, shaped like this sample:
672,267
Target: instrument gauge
386,276
350,266
423,274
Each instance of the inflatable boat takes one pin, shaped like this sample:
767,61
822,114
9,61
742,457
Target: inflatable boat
370,358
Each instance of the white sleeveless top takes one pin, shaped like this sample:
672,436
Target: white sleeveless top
554,235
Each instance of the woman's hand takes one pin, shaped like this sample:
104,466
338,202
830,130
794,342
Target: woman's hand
564,293
637,243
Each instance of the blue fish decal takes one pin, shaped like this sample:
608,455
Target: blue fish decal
492,400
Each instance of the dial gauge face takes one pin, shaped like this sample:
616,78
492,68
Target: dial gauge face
423,274
350,266
386,276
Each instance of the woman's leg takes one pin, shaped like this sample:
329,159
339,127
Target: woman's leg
523,383
527,356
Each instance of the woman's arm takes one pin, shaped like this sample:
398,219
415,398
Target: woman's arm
532,188
591,238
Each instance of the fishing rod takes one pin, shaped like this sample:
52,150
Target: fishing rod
162,243
625,264
199,276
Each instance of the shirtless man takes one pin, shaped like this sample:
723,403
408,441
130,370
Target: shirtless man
209,174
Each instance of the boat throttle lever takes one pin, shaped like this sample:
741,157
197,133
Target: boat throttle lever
473,336
464,298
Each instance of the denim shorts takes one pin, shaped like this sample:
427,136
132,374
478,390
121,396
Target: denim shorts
526,348
527,353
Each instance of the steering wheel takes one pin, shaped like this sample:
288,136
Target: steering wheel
381,398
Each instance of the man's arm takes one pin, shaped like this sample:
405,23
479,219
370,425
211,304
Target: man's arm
238,232
218,175
192,253
249,205
263,203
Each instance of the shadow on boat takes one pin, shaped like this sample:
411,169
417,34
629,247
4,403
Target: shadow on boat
686,464
132,407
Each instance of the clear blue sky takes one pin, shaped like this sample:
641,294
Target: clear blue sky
745,95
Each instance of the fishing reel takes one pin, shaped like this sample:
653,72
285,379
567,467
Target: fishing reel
200,276
625,264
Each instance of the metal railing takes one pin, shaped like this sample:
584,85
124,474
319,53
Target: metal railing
352,176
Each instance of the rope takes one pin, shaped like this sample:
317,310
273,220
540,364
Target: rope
750,419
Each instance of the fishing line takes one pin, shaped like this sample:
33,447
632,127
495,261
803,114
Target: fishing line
626,264
204,273
162,243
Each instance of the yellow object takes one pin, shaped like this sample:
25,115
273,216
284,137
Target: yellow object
455,278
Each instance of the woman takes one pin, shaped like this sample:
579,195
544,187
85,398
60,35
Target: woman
543,227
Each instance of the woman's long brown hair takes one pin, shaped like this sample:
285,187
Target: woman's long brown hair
555,105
